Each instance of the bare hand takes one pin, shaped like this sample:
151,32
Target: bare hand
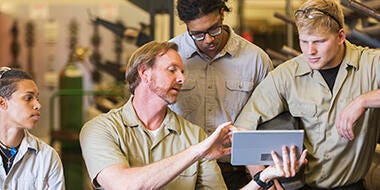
289,166
218,144
347,118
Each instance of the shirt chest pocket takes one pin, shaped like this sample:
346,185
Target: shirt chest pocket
237,94
304,110
189,99
308,114
238,85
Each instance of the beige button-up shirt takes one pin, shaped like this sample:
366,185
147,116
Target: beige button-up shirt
294,87
216,90
118,137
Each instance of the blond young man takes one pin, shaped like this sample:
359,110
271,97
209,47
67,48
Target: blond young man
333,88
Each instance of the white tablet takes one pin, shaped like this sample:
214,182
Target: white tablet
254,147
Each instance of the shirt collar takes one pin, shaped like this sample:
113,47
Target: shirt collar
28,142
130,118
350,57
303,66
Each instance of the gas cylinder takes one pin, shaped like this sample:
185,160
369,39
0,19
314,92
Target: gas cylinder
71,106
71,121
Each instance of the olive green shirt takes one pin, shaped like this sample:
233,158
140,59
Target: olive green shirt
118,137
295,87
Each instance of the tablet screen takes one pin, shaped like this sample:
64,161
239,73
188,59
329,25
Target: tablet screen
254,147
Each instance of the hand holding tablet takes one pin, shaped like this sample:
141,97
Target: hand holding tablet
254,147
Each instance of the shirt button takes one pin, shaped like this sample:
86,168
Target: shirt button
209,110
240,86
209,87
327,156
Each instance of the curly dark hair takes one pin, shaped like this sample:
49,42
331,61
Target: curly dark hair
9,79
189,10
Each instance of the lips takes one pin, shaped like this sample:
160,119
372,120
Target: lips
36,116
211,47
313,60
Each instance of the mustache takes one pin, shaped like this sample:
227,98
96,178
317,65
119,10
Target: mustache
177,86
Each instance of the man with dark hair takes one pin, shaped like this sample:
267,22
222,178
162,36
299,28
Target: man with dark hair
222,69
26,161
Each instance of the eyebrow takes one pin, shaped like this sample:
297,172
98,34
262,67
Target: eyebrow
31,93
176,66
212,27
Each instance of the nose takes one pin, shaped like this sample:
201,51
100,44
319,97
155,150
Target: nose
311,50
180,78
208,38
37,105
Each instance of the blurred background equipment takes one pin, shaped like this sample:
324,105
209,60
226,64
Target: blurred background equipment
91,70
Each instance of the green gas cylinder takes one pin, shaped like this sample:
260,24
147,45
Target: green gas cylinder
71,121
71,106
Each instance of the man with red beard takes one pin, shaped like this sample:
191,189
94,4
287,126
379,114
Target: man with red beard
333,88
145,145
222,70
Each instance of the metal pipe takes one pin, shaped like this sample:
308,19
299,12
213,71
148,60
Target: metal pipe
371,30
289,27
365,38
290,51
361,8
275,55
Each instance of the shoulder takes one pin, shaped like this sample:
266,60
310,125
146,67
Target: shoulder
186,45
183,41
238,42
360,52
240,48
359,56
179,38
105,119
289,70
42,149
106,125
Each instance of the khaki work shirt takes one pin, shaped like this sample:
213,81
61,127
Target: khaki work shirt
294,87
215,90
118,137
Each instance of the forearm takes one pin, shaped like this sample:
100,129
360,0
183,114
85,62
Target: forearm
370,99
253,169
152,176
252,185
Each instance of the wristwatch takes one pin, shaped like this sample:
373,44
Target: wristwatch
262,184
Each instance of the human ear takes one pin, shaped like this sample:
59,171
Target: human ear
221,12
143,73
3,103
341,36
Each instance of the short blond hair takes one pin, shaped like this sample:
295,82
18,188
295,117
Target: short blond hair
145,56
326,21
